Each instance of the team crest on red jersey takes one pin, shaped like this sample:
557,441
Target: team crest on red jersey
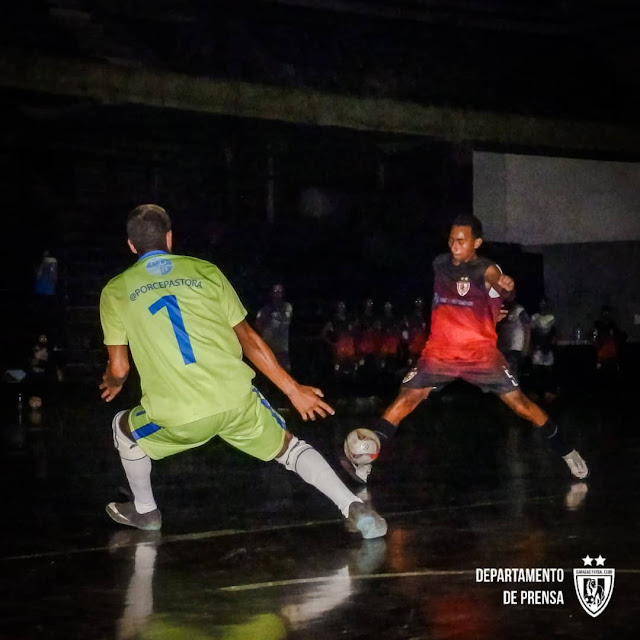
463,285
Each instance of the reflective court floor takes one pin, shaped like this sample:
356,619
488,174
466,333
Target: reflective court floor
249,551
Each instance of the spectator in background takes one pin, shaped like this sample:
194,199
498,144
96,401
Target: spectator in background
273,322
543,325
543,336
43,372
514,335
45,313
338,333
390,338
415,332
47,275
607,339
368,331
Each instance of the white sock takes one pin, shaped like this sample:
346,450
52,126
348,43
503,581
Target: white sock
139,477
304,460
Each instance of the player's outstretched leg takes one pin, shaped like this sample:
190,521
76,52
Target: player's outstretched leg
143,512
304,460
553,434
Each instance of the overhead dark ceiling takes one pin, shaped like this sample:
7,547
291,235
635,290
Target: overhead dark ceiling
553,73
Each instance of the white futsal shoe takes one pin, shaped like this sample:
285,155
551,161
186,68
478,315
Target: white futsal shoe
359,472
577,465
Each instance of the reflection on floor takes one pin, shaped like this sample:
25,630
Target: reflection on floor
248,551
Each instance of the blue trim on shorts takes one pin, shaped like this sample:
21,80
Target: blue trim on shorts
140,413
145,430
265,403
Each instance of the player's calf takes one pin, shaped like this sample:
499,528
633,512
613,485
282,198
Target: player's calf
304,460
137,468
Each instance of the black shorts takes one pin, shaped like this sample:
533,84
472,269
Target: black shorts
491,374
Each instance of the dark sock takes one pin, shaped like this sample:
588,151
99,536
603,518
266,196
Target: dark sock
384,429
554,436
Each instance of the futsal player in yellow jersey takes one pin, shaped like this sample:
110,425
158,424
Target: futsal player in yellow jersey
185,327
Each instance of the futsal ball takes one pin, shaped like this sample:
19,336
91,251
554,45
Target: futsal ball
362,446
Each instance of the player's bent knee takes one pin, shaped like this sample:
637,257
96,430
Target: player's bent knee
293,451
127,448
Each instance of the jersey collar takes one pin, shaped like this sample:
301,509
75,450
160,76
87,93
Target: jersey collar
152,253
469,262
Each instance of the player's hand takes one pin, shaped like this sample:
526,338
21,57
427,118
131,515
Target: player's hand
309,403
109,391
506,282
502,314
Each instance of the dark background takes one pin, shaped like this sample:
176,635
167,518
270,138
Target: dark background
323,144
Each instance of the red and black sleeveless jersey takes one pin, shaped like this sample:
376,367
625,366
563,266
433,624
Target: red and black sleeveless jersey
463,311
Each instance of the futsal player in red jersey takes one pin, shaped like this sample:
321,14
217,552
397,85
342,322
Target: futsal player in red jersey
468,293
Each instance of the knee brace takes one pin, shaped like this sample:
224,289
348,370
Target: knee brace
127,449
289,458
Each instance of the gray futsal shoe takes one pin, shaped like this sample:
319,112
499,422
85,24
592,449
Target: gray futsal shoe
364,519
125,513
577,465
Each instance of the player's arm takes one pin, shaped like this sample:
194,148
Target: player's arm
502,283
116,372
307,400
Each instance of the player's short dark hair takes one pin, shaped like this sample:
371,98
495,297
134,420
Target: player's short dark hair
147,228
467,220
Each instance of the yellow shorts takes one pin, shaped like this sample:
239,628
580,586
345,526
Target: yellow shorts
255,428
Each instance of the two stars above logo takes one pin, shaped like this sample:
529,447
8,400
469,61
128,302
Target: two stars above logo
588,561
